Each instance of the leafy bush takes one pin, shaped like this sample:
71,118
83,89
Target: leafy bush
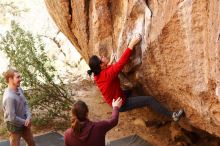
27,54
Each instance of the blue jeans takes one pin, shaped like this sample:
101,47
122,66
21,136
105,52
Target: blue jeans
141,101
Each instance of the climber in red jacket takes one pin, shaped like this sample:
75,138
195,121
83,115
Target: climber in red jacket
106,78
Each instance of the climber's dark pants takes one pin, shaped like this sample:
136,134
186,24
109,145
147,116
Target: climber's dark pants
140,101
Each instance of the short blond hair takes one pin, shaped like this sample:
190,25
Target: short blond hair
9,74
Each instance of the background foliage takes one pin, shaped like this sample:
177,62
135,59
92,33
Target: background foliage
45,91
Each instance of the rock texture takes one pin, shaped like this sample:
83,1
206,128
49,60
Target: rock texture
178,60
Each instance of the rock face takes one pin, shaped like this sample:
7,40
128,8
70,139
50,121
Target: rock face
178,60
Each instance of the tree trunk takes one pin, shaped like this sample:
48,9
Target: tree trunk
178,60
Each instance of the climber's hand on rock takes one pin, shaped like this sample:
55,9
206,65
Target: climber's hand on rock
135,40
113,57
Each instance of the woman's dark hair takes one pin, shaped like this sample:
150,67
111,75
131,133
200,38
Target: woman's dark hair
79,113
94,64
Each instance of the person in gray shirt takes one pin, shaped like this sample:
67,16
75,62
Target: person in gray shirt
16,112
